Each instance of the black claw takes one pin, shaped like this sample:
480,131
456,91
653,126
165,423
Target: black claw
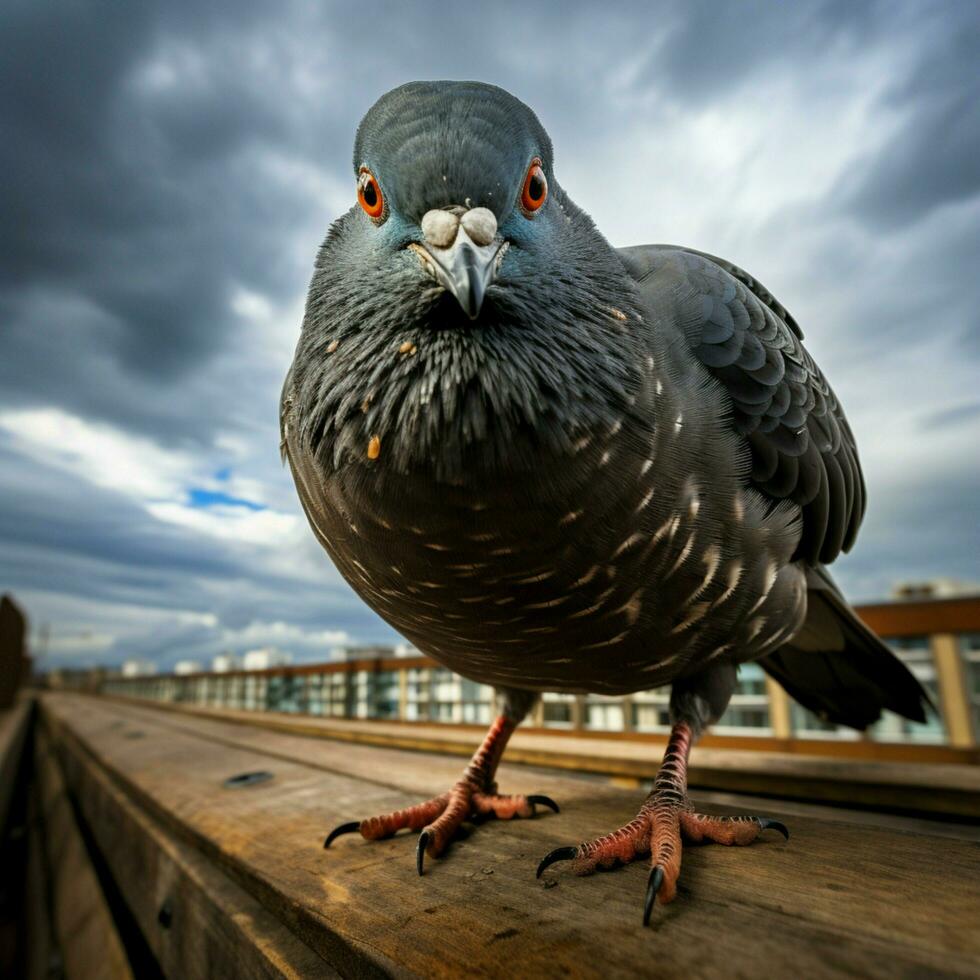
544,801
420,850
558,854
654,882
766,824
344,828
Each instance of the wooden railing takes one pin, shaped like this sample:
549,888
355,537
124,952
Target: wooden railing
208,832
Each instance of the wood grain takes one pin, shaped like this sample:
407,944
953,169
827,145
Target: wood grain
363,761
197,922
839,899
950,790
42,959
84,928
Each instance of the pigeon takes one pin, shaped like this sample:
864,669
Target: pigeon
554,465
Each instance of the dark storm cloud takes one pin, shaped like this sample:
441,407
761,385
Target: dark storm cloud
128,200
959,415
932,159
708,48
938,521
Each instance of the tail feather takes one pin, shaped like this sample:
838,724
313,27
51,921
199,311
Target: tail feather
838,668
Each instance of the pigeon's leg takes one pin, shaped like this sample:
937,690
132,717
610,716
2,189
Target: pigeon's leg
667,814
473,797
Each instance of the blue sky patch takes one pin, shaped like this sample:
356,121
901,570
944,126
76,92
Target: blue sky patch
199,497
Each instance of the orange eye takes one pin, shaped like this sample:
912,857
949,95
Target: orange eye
369,194
535,190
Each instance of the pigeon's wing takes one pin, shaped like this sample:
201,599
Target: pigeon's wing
802,447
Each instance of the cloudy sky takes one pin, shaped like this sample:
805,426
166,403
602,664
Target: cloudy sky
169,169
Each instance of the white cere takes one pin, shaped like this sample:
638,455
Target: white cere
480,224
439,227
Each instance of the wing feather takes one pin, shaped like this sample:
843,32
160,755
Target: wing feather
802,446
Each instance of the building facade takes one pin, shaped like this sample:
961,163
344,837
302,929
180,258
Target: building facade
938,638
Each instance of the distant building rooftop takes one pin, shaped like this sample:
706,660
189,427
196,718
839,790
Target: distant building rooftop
935,588
265,658
364,653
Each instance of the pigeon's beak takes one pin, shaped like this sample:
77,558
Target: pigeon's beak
463,267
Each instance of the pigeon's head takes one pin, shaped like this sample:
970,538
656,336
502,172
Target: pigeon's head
455,187
463,302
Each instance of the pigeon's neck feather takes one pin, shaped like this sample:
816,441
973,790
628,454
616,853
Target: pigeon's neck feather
553,358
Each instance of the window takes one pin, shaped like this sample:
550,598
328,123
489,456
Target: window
558,710
557,713
476,702
604,715
387,695
651,710
748,710
970,651
650,718
918,642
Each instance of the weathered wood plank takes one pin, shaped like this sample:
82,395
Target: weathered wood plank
41,959
418,770
14,724
14,837
197,922
947,789
837,900
85,930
